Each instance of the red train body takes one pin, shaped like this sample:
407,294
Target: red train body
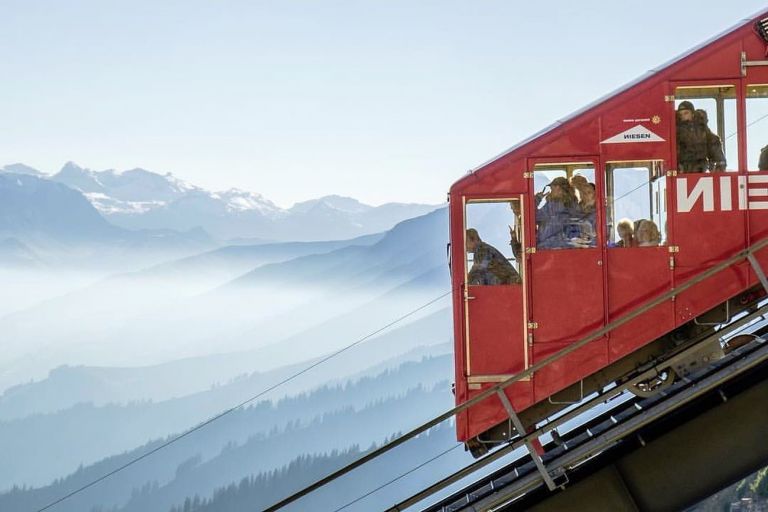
625,145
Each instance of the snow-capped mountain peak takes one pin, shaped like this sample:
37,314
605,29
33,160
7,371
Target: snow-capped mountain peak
142,199
19,168
241,200
333,202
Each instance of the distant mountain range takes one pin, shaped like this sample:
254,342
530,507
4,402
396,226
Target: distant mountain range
46,223
141,199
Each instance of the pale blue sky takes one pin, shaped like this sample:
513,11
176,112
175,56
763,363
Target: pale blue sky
383,101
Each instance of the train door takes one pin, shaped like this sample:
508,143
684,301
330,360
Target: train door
637,254
566,269
756,177
494,294
709,212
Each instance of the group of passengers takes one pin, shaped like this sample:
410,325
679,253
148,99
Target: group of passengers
567,218
641,233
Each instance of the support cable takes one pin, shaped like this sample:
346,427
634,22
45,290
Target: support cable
399,477
238,406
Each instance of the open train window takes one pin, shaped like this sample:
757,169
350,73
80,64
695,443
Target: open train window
493,242
757,127
636,202
707,137
565,205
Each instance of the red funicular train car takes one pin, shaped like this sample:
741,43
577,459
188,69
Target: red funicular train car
573,274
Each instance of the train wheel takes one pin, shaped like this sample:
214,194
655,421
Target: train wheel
650,387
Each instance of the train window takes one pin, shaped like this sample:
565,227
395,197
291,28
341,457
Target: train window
493,242
636,204
757,127
707,138
565,205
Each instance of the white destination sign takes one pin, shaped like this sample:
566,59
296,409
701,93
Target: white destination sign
637,133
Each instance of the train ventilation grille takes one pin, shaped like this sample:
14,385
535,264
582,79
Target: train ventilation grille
761,27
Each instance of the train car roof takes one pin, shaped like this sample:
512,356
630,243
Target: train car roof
646,76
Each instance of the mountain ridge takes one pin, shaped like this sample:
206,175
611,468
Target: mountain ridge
141,199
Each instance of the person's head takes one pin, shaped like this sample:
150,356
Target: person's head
685,111
625,229
588,195
578,181
560,190
700,116
472,239
647,233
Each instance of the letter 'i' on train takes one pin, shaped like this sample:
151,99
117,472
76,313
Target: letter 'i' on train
677,187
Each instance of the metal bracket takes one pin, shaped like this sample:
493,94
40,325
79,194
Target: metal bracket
673,248
669,98
723,321
530,250
527,175
758,270
672,172
528,444
750,63
533,325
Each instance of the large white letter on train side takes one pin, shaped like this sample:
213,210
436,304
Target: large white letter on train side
703,188
726,194
757,192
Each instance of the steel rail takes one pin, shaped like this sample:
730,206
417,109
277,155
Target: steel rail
612,394
704,275
614,435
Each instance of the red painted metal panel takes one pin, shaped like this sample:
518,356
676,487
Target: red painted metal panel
496,331
636,276
713,61
757,185
490,412
567,294
709,226
706,295
758,217
568,370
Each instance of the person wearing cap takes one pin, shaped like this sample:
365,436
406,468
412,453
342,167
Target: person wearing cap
489,266
553,217
692,140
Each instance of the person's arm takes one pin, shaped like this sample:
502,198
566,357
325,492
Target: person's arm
715,153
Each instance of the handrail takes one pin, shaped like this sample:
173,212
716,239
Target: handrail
704,275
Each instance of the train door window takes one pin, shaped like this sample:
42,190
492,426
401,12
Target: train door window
493,242
757,127
707,138
636,213
566,206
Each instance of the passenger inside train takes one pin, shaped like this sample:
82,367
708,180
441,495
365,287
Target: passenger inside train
553,217
626,232
647,233
489,266
566,215
698,148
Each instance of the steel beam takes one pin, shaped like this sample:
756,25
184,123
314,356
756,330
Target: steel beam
682,466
